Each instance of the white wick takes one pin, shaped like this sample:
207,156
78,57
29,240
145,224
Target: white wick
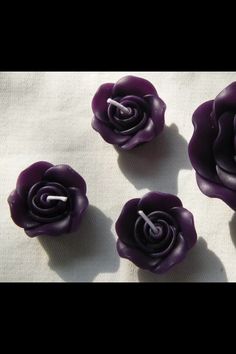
56,197
148,221
118,105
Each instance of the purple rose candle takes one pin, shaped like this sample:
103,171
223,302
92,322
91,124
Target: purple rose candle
128,113
212,149
155,232
48,199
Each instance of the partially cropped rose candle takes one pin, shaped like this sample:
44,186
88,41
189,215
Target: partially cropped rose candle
48,199
212,148
155,232
128,113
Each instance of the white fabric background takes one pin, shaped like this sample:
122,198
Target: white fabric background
47,116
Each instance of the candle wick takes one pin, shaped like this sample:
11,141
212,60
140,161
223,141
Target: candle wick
148,221
119,105
56,197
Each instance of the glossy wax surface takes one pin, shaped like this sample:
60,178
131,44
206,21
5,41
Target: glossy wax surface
212,149
30,208
143,122
161,250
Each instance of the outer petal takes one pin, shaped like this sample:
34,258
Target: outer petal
186,223
19,211
53,229
66,176
79,203
157,201
215,190
201,144
157,111
107,133
228,179
144,135
136,256
224,143
126,222
99,102
174,257
132,85
31,175
226,100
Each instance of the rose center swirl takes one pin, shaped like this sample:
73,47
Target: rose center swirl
128,123
161,241
44,210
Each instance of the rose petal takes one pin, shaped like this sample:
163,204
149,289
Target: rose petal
201,144
107,133
136,256
228,179
19,211
131,85
136,126
223,147
30,176
99,102
226,100
53,229
126,222
185,221
144,135
66,176
79,203
215,190
157,201
140,101
157,111
174,257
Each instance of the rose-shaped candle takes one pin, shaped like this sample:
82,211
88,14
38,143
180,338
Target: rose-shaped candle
48,199
155,232
128,113
212,149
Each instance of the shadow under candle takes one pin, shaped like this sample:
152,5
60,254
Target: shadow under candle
156,164
81,256
200,265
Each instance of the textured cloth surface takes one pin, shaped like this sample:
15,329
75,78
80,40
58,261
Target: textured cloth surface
47,116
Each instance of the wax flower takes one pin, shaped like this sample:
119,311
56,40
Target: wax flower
128,113
155,232
48,199
212,148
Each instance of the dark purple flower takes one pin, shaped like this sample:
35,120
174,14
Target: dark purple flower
142,118
212,149
31,209
160,249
